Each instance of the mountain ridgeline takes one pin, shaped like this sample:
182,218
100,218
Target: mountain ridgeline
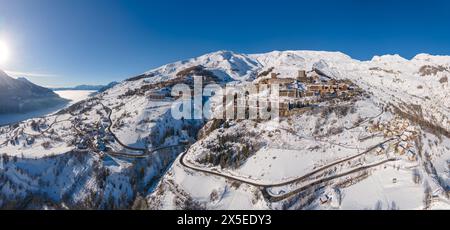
20,95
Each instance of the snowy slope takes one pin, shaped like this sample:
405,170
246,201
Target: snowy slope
54,170
390,80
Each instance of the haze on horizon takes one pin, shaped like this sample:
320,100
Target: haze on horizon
67,42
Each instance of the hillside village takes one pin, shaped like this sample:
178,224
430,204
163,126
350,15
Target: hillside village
340,142
308,89
296,96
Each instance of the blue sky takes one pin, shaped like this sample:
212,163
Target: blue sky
70,42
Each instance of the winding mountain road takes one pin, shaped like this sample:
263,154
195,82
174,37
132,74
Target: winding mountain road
183,163
275,198
145,152
48,128
109,111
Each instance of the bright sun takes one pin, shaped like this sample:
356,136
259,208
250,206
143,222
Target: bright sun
4,52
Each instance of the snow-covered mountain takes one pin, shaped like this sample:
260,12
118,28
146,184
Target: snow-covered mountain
20,95
225,64
387,147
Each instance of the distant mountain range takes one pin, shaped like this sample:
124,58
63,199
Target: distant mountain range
20,95
99,88
80,87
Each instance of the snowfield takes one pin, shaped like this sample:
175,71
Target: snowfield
386,147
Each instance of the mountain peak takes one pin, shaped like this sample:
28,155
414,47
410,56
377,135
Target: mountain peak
3,74
224,53
21,95
437,59
389,58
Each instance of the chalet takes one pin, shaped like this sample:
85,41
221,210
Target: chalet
289,93
284,109
301,77
401,148
280,81
315,88
379,150
154,96
412,156
318,89
309,94
404,137
343,87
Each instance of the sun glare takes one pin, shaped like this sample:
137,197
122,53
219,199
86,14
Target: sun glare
4,53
